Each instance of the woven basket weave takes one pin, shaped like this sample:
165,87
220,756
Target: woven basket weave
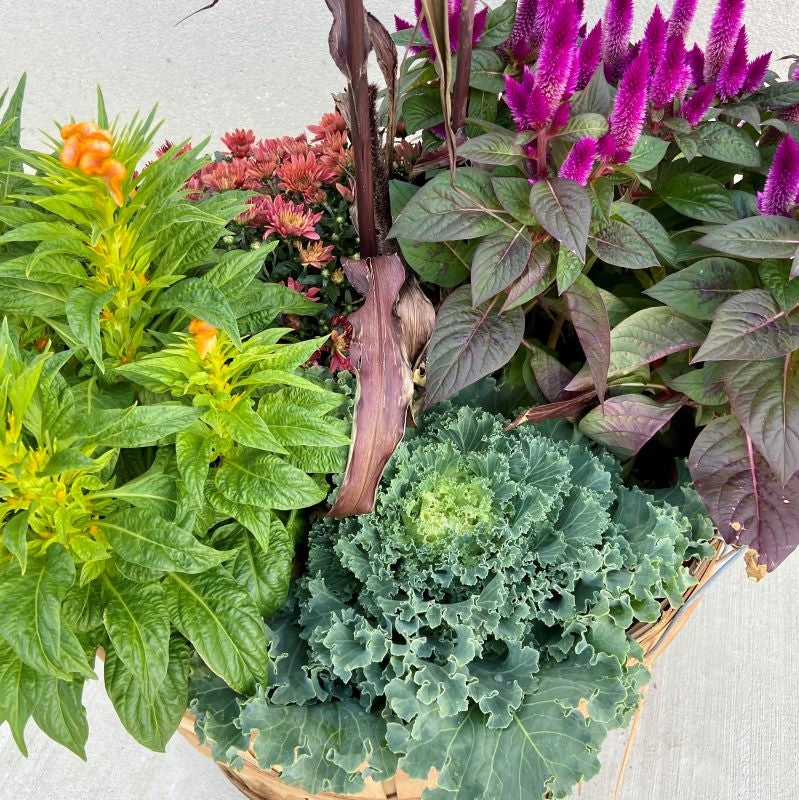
258,784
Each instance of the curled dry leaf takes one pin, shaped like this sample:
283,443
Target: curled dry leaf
388,332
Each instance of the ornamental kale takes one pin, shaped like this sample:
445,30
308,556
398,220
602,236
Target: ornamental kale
466,622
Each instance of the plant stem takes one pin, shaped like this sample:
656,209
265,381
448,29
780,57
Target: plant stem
460,105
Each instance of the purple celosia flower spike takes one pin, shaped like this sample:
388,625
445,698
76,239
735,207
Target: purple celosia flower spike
723,35
558,51
580,161
682,15
616,26
695,61
655,38
528,107
669,78
589,55
782,184
543,18
629,107
756,73
733,74
518,43
696,107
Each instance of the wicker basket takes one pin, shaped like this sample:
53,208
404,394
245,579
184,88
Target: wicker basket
259,784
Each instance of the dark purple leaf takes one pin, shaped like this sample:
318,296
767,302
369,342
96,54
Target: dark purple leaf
625,423
536,279
620,245
563,209
750,326
764,396
559,410
743,496
755,237
590,319
469,343
550,375
499,259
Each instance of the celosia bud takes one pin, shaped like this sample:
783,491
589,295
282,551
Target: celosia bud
756,73
655,38
670,74
528,106
695,59
518,43
782,184
682,15
733,74
606,146
723,35
616,26
558,52
589,55
580,161
696,107
629,107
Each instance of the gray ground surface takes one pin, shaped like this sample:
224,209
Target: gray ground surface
721,718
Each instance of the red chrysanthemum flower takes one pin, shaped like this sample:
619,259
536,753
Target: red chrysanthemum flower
315,255
331,123
340,338
168,147
286,219
305,175
220,176
239,142
309,293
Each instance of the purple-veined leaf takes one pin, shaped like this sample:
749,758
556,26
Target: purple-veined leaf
697,291
550,375
625,423
569,268
496,147
750,326
563,209
590,319
764,396
642,338
726,143
442,209
703,386
536,279
648,227
755,237
742,494
499,259
558,410
698,197
469,343
619,244
514,196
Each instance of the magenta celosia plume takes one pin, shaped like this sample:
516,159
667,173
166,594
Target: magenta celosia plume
695,61
723,35
589,55
520,39
782,184
616,26
733,73
755,73
655,38
558,52
528,106
580,161
543,18
682,15
669,78
629,107
696,107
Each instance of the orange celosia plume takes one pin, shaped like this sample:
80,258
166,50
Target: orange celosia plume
204,336
88,148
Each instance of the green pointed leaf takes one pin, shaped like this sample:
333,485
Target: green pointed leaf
499,259
782,94
648,228
83,309
698,197
487,70
563,209
148,540
726,143
569,268
496,147
137,426
750,326
21,296
697,291
223,624
60,713
764,396
469,343
620,245
581,126
193,449
755,237
150,721
19,691
442,211
776,276
647,153
265,481
137,622
15,538
300,427
244,426
514,196
200,299
590,319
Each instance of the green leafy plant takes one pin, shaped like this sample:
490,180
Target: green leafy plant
620,227
158,437
475,622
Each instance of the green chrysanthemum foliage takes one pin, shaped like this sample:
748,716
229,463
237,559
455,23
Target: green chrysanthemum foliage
475,615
